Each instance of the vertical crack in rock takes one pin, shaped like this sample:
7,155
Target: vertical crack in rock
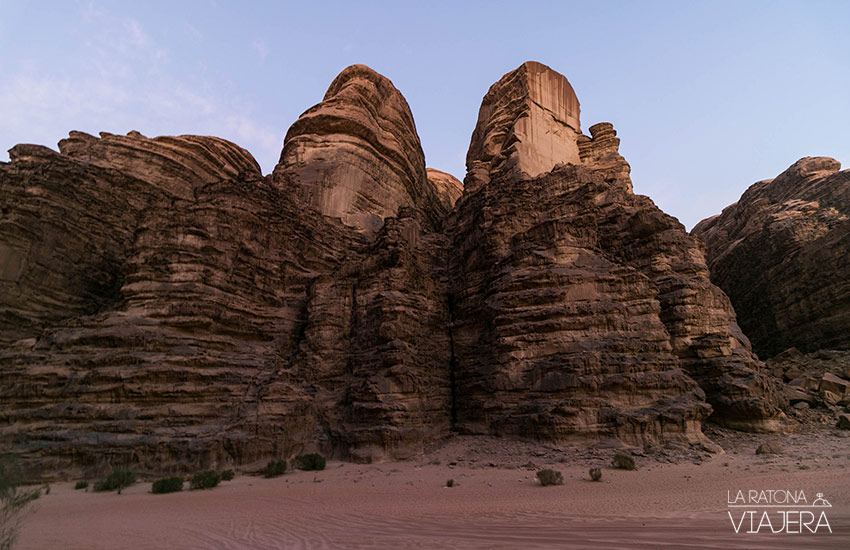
452,362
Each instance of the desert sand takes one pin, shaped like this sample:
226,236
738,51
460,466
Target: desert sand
496,502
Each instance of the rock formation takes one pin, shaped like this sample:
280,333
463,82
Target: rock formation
578,304
165,305
449,188
782,254
528,120
356,155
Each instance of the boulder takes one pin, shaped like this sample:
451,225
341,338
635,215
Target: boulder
830,398
831,383
769,448
795,395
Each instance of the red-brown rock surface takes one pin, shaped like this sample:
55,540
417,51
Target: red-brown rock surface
449,188
167,306
528,120
581,307
782,254
356,155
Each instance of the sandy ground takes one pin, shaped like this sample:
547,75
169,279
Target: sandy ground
496,502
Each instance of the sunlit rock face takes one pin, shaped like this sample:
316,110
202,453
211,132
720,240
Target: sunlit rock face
356,155
528,121
449,188
782,254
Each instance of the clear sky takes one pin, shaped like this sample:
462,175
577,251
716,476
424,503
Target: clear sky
708,97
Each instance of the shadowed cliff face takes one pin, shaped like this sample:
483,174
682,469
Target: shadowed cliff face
782,254
164,305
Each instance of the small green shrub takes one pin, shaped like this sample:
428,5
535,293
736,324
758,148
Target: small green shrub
118,479
13,500
275,468
227,475
205,480
550,477
81,485
313,461
450,483
595,474
623,462
167,485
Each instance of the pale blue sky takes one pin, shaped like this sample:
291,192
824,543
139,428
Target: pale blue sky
708,97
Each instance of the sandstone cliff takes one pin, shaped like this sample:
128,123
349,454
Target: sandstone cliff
356,155
166,305
581,306
782,254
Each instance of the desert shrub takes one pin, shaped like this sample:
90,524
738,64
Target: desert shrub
550,477
623,462
274,468
227,475
313,461
13,501
81,485
167,485
595,474
450,483
117,479
205,480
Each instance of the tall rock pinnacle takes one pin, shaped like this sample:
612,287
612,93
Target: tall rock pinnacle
561,272
529,120
356,155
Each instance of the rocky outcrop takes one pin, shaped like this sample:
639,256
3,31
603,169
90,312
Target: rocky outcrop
782,254
580,307
449,188
169,366
356,155
165,305
175,166
217,342
528,121
376,348
816,385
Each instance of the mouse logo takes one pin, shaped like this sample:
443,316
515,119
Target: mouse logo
820,502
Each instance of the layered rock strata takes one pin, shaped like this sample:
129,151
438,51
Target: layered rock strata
782,254
165,305
214,340
576,299
356,155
